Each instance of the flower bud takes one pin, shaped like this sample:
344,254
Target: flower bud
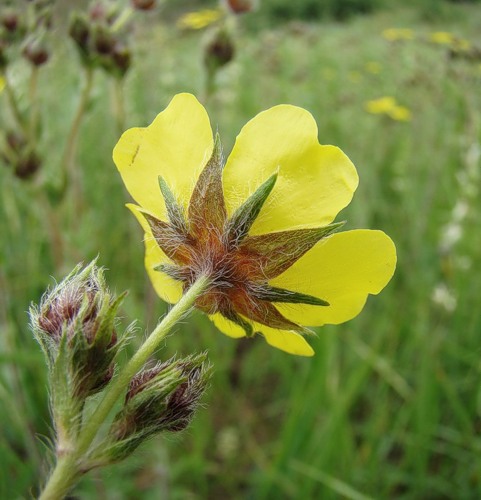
9,20
36,51
75,326
24,160
143,4
103,39
121,58
79,31
240,6
163,398
219,51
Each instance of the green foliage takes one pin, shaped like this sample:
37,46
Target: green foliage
389,406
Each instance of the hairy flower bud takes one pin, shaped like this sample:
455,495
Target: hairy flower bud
219,51
20,155
103,39
36,51
10,20
143,4
75,325
240,6
162,398
121,59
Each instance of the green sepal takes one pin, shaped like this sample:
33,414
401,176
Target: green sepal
175,212
240,321
274,294
207,210
276,252
243,218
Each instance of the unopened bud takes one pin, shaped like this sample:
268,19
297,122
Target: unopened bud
97,11
163,398
219,51
20,155
9,20
75,325
79,31
240,6
103,39
36,51
143,4
122,58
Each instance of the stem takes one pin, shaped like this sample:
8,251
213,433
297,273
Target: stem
119,107
69,467
64,476
69,172
122,19
13,103
33,125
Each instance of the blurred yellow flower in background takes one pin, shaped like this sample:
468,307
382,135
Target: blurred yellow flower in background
442,37
2,83
373,67
388,106
259,225
199,19
395,34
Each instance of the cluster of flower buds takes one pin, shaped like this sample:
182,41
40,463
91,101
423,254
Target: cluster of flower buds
101,35
19,154
27,29
75,324
162,398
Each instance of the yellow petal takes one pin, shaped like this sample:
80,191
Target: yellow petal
314,183
342,269
286,340
227,327
165,287
176,145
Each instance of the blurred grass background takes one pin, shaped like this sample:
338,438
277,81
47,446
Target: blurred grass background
390,406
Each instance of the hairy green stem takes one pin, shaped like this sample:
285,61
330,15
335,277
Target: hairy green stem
71,465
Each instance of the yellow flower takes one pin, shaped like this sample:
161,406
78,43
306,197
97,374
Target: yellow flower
400,114
2,83
395,34
442,38
388,106
200,19
373,67
259,226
